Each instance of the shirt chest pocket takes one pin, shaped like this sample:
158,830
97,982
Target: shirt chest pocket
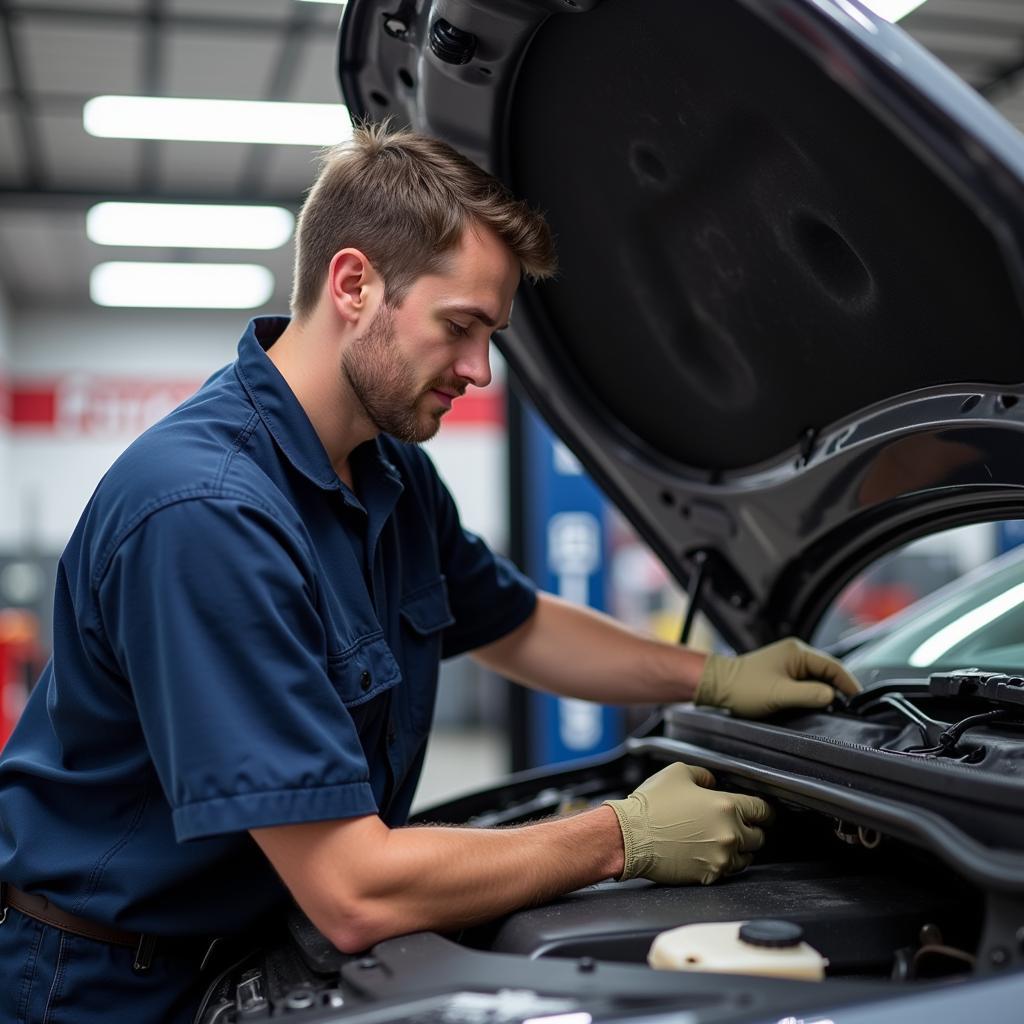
425,614
363,671
425,610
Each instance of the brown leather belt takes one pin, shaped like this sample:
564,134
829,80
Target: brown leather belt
40,908
43,910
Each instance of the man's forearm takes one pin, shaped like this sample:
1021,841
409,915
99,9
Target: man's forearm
361,882
577,652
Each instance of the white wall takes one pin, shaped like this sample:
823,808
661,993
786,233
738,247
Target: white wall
113,342
5,328
474,464
52,471
6,484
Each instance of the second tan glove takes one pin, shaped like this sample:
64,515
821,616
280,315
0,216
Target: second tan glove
677,831
786,674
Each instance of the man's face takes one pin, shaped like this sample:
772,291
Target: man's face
414,360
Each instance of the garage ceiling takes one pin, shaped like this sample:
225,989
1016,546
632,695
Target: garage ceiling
56,54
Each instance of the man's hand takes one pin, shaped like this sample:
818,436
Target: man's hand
677,831
773,677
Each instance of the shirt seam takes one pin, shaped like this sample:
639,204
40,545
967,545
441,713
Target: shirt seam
269,792
362,641
101,864
240,441
424,588
166,501
158,505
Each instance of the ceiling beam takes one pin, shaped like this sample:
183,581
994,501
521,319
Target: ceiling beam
279,87
101,17
31,145
45,200
152,76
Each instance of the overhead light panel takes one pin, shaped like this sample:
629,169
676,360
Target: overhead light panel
892,10
182,225
197,120
181,285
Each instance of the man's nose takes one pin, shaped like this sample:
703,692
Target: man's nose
474,364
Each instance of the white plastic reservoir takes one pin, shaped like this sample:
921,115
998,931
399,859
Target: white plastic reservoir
772,948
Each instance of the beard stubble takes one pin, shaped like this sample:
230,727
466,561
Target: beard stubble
385,383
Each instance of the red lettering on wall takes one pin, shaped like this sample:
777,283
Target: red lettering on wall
83,405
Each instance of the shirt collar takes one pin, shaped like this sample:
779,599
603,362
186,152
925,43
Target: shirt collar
277,405
282,414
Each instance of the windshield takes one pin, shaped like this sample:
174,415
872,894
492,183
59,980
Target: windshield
976,622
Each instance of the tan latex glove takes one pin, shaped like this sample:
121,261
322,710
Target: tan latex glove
771,678
677,831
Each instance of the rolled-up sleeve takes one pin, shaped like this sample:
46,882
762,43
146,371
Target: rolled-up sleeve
211,608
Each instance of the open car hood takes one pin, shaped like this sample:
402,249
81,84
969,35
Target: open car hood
788,331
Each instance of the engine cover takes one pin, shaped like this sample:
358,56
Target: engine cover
855,918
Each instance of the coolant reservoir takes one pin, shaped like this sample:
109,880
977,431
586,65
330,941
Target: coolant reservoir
772,948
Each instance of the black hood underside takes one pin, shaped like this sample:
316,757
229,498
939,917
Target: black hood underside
747,251
788,331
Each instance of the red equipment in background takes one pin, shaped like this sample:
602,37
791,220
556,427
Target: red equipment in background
20,662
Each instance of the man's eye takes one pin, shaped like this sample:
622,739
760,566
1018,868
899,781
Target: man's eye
457,328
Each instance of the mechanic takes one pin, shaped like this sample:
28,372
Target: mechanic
249,618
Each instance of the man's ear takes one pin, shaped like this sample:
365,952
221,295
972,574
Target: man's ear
351,283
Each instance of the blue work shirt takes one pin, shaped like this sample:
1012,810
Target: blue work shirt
239,641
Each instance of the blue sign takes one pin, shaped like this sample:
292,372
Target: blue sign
567,554
1009,534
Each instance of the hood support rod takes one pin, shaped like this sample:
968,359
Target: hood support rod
693,593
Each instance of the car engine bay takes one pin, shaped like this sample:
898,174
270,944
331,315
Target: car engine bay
895,893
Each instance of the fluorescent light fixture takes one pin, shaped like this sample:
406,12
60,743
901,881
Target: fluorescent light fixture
562,1018
340,3
202,226
960,629
181,285
892,10
197,120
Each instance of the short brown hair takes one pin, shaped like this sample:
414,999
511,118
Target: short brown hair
404,200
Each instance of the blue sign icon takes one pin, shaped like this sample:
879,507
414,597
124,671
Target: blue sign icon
566,553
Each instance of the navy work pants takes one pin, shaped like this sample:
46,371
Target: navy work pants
48,976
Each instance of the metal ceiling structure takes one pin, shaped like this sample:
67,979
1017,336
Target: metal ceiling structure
56,54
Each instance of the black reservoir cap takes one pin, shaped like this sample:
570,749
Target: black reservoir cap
771,934
451,44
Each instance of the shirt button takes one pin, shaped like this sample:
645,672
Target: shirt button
365,681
